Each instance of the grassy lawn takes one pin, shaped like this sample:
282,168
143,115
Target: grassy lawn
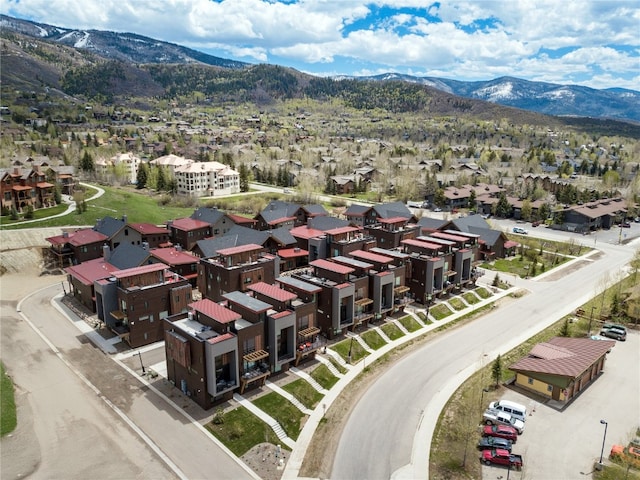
470,298
616,472
457,303
410,323
440,311
348,345
304,393
283,411
530,263
373,339
423,316
337,366
240,430
324,377
392,331
8,419
483,292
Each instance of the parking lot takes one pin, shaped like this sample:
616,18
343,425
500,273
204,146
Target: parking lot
562,445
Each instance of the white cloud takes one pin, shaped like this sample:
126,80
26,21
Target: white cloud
472,39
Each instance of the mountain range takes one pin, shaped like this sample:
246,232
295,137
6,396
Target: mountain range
135,50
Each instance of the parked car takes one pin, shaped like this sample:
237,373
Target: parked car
512,408
496,417
488,443
520,230
615,333
502,457
536,223
625,225
501,431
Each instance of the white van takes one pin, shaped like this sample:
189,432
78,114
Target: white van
512,408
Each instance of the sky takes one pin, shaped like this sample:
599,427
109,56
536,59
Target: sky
595,43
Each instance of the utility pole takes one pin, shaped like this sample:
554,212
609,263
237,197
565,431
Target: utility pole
141,365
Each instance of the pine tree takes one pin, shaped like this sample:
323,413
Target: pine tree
141,177
496,370
86,162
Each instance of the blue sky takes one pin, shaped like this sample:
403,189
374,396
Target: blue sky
595,43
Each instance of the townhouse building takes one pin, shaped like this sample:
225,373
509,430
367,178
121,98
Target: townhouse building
23,188
389,232
133,302
72,248
186,232
235,268
153,236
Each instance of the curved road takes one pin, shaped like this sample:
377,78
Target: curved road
388,434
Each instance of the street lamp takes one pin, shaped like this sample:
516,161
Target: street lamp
140,357
604,438
428,298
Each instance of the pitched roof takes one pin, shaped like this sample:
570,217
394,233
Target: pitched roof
249,247
326,223
563,356
278,211
188,224
357,210
282,236
209,215
305,231
148,228
85,237
128,272
126,255
432,223
92,270
392,209
215,311
174,256
272,291
109,226
331,266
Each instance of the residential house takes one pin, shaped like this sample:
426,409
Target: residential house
81,279
179,261
343,184
341,241
492,243
390,232
603,213
364,216
279,327
294,295
430,269
186,232
562,367
400,266
76,247
21,188
235,268
142,296
118,231
219,221
152,235
202,352
336,300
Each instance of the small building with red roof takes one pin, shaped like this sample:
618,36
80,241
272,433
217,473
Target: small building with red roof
186,232
152,235
183,263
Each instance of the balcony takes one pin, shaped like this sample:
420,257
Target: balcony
306,349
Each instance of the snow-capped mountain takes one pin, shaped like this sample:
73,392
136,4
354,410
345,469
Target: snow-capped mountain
548,98
126,47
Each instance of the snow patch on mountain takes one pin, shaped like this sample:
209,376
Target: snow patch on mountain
559,94
83,42
499,92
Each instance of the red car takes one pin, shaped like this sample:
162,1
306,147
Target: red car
501,431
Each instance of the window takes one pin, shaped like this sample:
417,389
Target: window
530,381
549,388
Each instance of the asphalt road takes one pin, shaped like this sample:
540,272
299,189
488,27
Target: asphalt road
389,432
91,418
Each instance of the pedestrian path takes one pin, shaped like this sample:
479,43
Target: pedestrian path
309,380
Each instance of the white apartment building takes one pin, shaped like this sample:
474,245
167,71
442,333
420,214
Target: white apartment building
206,179
171,162
124,165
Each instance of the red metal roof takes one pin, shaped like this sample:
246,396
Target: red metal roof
305,232
373,257
448,236
331,266
284,313
91,271
281,220
215,311
339,230
188,224
239,249
272,291
239,220
508,243
220,338
393,220
85,237
563,356
292,252
153,267
148,228
418,243
44,185
172,256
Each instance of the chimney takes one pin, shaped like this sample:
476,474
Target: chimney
145,245
124,218
106,252
178,247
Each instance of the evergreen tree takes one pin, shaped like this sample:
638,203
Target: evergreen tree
496,370
141,177
161,182
244,178
86,162
565,331
503,209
